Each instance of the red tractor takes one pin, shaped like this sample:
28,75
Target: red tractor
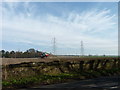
44,55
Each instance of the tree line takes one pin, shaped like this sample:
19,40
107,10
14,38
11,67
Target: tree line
30,53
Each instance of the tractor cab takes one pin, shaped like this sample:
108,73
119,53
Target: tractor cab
44,55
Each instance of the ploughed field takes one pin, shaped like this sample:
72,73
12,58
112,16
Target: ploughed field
7,61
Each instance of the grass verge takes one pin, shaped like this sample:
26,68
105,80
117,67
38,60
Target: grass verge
51,79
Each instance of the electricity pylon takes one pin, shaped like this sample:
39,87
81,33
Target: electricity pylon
82,48
54,45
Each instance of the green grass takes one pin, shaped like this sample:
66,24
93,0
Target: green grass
50,79
35,79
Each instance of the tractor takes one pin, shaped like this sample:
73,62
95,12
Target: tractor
43,55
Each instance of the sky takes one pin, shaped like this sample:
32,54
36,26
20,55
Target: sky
34,25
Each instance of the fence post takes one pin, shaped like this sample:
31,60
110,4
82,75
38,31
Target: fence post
67,65
81,65
114,63
97,64
91,64
104,64
5,72
58,65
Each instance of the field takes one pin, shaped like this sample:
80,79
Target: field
24,72
7,61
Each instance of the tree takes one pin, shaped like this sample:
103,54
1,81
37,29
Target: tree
31,50
12,54
7,54
19,54
2,53
30,53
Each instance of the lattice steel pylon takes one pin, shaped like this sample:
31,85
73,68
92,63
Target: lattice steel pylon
82,48
54,46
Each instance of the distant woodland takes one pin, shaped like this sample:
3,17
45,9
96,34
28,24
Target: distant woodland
31,53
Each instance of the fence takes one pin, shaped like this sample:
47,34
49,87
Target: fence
27,69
